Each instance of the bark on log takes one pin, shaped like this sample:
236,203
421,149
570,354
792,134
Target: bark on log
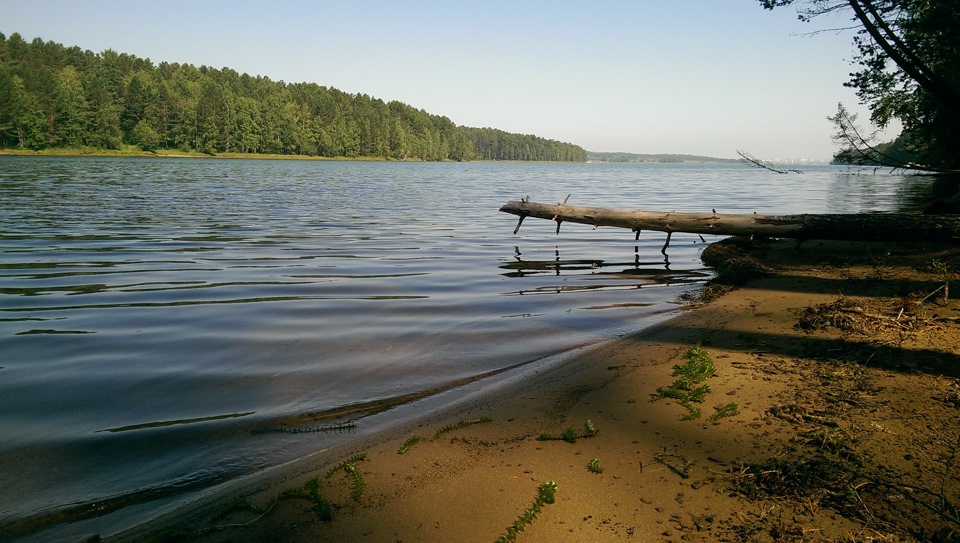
843,227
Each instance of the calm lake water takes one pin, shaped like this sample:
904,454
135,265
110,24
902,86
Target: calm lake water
164,321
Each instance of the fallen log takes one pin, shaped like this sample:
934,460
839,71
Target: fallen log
887,227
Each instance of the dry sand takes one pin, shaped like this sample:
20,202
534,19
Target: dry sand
847,394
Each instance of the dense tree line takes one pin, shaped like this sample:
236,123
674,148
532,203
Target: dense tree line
55,96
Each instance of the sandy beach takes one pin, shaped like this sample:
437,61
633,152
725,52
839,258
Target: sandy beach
829,414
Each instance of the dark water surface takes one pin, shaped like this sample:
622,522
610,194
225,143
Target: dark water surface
163,322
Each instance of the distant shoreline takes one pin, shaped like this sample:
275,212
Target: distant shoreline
592,157
101,153
657,158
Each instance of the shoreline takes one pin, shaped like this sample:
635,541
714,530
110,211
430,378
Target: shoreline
382,428
843,429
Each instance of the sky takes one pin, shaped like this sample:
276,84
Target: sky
705,77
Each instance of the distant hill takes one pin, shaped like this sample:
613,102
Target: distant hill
593,156
56,97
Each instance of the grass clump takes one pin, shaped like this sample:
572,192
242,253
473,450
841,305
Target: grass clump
688,387
570,435
593,466
546,494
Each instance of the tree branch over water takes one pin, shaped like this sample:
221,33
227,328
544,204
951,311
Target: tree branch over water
760,164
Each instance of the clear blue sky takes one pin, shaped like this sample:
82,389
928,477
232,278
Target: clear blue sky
646,76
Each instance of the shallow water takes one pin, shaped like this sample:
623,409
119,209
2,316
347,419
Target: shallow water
160,319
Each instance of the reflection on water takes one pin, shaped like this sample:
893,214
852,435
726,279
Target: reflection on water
157,315
866,190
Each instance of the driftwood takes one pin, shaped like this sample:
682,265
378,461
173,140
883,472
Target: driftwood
842,227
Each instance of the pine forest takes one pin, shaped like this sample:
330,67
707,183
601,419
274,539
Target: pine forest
58,97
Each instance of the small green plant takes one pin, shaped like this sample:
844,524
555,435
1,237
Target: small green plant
343,465
310,491
462,424
349,466
728,410
409,443
687,389
320,504
589,430
546,494
570,435
357,476
594,466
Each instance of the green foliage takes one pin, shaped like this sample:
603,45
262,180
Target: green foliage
349,466
589,430
462,424
687,388
311,491
105,100
343,465
570,435
728,410
698,368
594,466
546,494
409,443
908,55
145,137
357,477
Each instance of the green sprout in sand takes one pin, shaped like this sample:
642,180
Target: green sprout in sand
689,388
570,435
594,466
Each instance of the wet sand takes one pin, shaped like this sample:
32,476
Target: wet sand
846,388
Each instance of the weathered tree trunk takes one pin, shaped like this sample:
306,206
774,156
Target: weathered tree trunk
845,227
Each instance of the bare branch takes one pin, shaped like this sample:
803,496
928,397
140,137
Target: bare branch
837,30
849,132
758,163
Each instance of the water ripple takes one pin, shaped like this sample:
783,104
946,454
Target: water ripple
179,304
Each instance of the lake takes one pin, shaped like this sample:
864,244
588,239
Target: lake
167,325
